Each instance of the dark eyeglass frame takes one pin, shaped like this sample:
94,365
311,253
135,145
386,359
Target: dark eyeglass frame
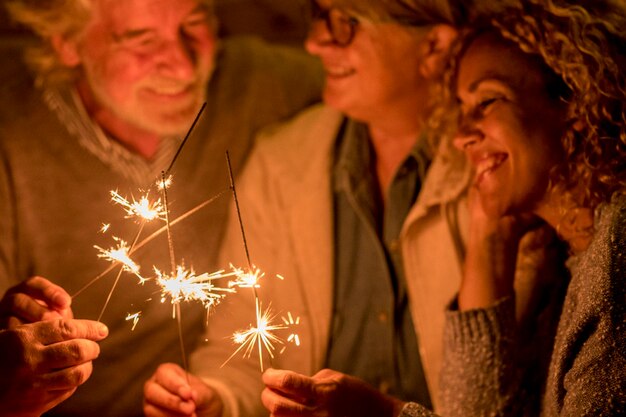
342,26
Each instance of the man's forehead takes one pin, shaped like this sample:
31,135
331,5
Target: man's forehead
127,12
151,4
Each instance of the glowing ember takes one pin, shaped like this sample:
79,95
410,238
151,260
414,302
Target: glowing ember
134,317
291,321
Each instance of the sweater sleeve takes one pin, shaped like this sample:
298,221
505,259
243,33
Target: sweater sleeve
588,377
479,375
7,229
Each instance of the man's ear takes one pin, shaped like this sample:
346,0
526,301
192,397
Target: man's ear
66,50
435,50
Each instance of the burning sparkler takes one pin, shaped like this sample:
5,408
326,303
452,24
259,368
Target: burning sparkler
120,254
185,285
261,335
165,182
246,278
144,208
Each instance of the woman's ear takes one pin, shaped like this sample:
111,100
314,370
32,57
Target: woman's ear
66,50
435,49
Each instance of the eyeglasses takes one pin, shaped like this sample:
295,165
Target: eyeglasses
341,25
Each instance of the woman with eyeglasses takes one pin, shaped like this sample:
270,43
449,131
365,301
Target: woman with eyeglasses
362,190
542,118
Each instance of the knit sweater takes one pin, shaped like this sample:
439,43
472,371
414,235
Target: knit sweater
54,198
481,375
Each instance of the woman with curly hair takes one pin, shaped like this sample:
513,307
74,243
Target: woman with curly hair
542,119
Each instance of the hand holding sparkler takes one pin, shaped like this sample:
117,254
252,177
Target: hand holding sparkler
173,391
327,393
33,300
42,364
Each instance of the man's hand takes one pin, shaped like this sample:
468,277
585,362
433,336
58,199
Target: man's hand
42,364
172,392
35,299
327,394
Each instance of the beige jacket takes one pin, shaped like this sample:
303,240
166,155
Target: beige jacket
285,198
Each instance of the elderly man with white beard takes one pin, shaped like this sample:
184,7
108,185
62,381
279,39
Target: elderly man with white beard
110,90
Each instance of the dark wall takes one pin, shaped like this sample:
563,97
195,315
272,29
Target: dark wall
276,20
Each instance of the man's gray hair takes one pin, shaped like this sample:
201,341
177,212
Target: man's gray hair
48,18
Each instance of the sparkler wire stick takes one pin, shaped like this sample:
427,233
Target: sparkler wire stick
93,281
119,274
234,190
182,342
170,241
180,148
170,244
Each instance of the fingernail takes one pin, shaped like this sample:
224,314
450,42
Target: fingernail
103,330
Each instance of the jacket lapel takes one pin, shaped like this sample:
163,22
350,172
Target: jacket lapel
307,189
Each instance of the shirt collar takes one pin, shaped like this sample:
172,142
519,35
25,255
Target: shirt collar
355,155
69,108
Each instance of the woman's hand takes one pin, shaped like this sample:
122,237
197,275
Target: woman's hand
326,394
492,250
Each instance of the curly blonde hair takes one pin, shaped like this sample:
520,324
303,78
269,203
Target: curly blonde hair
48,18
583,43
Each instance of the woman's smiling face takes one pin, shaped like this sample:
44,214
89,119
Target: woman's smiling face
510,128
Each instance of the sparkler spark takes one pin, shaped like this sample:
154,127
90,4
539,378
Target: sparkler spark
105,227
164,183
291,321
143,208
246,278
134,317
262,336
184,285
120,254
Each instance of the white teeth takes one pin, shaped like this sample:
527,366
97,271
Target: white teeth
338,71
489,163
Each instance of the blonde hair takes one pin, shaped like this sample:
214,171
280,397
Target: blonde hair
48,18
583,44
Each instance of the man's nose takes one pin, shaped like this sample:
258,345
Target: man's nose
177,59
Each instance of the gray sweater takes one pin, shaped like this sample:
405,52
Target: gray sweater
483,371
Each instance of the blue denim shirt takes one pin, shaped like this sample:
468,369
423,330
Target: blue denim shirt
372,335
